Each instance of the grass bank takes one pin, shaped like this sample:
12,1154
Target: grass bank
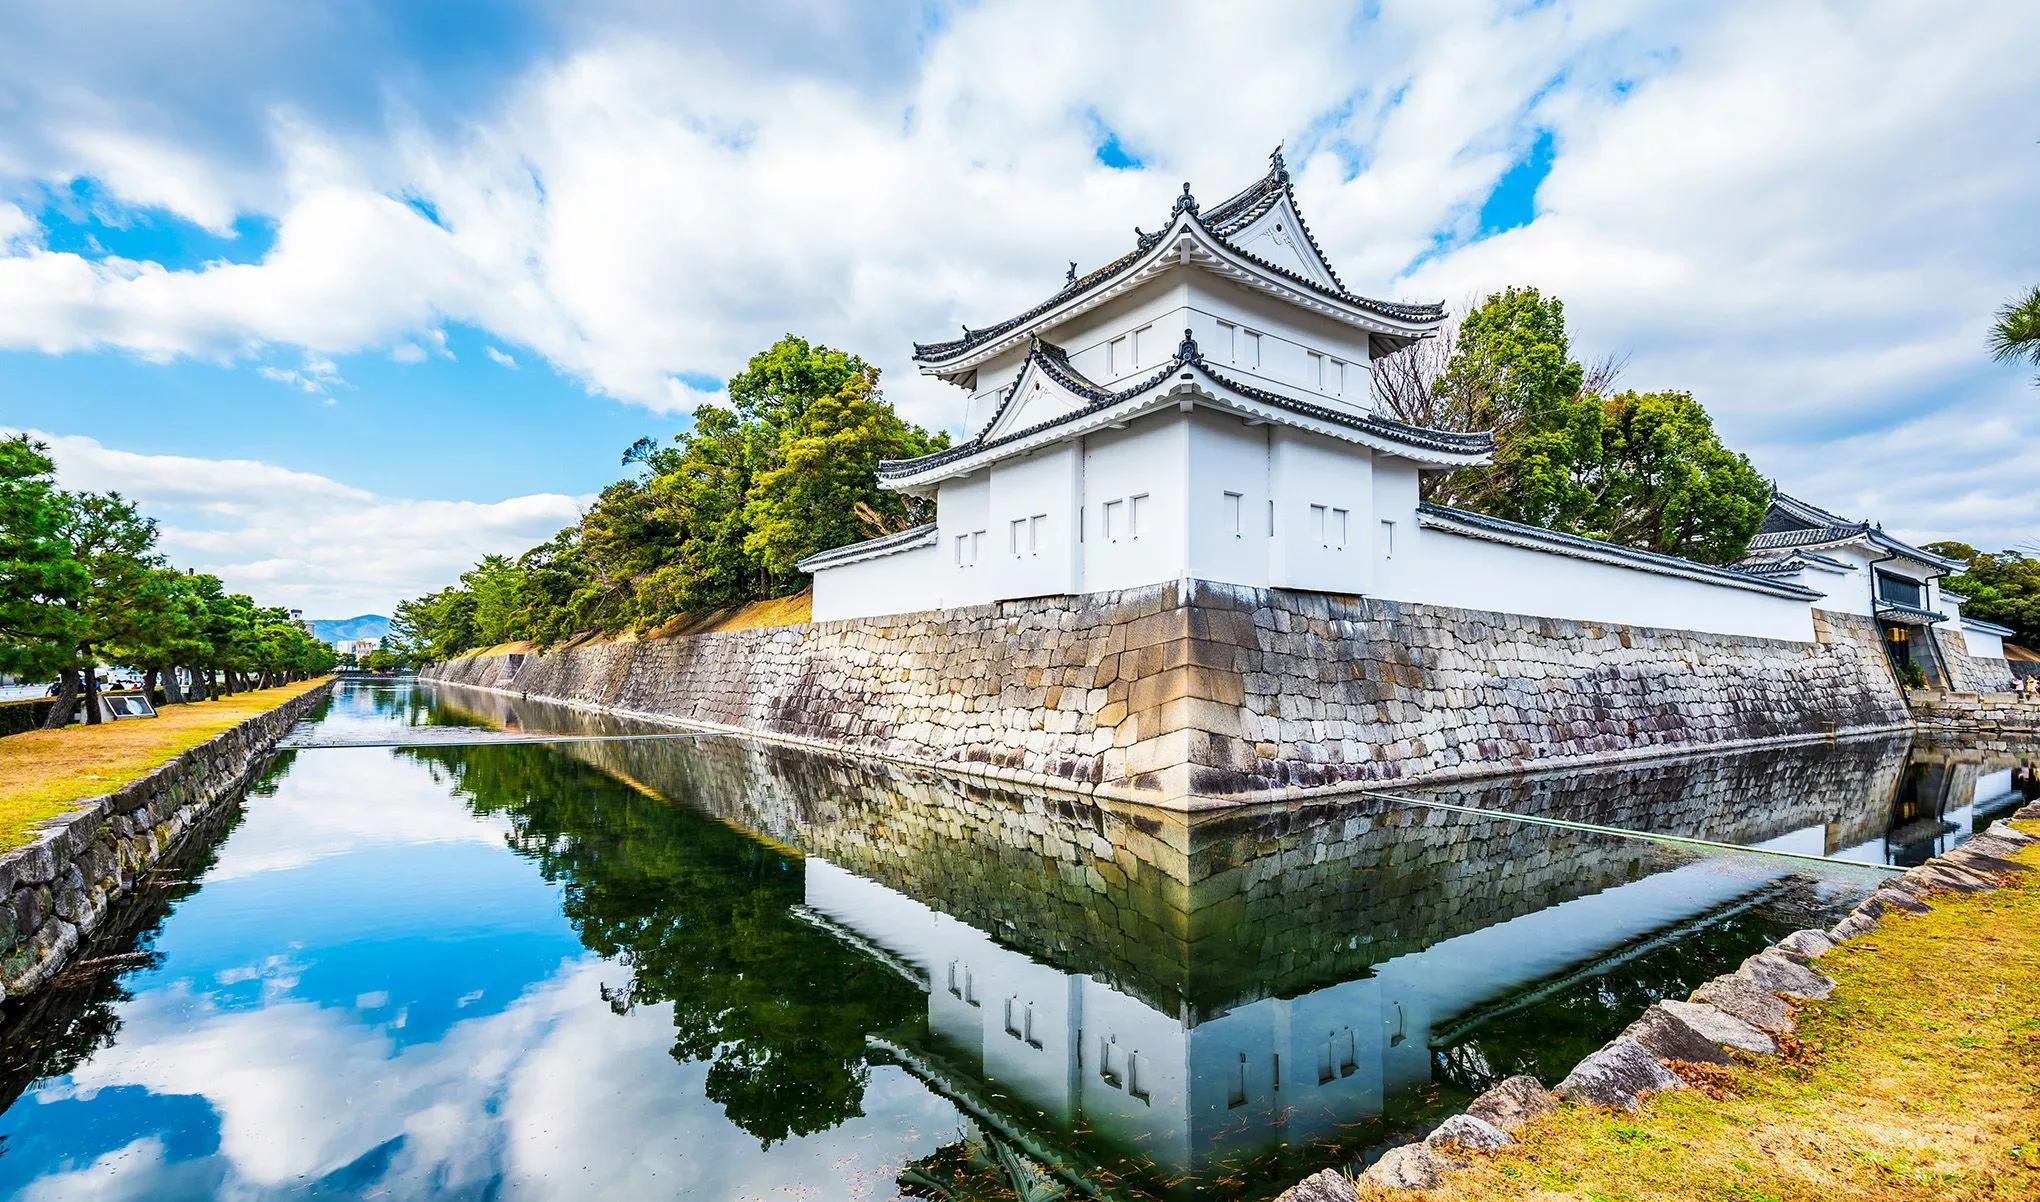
45,772
796,610
1918,1078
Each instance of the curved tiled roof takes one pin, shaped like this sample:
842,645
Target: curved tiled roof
1221,221
884,544
1053,362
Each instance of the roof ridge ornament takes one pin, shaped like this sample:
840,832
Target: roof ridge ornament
1071,280
1186,350
1278,169
1184,203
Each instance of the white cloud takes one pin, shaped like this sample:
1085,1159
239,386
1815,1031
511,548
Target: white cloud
501,357
1803,214
295,538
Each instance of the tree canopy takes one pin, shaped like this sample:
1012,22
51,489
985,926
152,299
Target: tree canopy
2001,587
2015,335
81,585
718,516
1645,469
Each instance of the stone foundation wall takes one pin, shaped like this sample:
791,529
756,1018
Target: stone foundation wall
1983,713
1969,674
1196,693
57,889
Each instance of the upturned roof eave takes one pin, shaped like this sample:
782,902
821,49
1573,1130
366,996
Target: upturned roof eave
1346,308
1435,447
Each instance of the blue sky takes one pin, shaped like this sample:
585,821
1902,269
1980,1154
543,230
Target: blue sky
352,292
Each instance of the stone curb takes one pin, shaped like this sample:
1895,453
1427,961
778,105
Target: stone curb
1740,1011
54,891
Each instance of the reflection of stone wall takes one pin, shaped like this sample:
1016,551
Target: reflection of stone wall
1196,914
1179,695
1968,673
1743,797
58,888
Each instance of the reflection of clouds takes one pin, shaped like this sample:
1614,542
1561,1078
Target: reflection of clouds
553,1097
138,1171
363,798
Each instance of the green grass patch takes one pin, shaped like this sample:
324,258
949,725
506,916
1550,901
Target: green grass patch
1919,1078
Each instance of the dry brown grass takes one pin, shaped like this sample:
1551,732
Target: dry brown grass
1918,1079
45,772
797,610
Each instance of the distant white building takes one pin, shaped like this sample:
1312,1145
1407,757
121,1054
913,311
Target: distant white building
1859,569
358,648
1202,407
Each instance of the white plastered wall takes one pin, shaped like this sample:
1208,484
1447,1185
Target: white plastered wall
898,583
1229,535
1443,568
1983,644
1140,467
1323,491
1033,538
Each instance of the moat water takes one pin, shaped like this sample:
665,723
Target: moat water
458,945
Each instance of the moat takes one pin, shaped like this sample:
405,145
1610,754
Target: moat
459,945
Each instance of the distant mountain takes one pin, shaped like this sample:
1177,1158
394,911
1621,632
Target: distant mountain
367,626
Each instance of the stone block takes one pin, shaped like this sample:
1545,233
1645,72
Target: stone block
1811,944
1513,1102
1618,1076
1776,973
1412,1166
1469,1132
1697,1032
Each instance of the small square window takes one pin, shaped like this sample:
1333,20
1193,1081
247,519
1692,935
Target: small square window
1136,512
1115,520
1230,515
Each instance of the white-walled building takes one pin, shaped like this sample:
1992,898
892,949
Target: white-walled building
1859,569
1202,408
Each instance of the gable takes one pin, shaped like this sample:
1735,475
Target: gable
1036,397
1277,237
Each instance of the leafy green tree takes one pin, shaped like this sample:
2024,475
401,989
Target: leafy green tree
781,382
1512,372
41,580
1664,481
441,624
717,517
2002,587
823,490
495,583
115,544
163,629
1645,470
2015,335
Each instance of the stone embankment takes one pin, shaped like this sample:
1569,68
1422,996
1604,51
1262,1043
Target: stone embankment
1983,713
57,889
1741,1012
1195,694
